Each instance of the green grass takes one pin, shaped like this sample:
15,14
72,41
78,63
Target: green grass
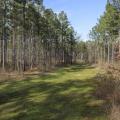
65,94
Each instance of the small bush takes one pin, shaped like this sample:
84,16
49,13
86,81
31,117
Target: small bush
105,87
108,88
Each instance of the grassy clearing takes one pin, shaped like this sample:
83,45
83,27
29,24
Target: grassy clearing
61,95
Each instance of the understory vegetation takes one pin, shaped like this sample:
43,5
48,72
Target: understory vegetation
108,89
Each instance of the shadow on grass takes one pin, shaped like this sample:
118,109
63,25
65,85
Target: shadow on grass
62,71
44,100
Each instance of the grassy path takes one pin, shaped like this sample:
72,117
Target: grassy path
61,95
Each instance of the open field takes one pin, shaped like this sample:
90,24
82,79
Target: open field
65,94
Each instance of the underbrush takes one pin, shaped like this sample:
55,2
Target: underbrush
108,89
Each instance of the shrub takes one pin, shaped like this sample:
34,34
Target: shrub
108,88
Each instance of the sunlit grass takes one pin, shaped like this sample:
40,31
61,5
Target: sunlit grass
64,94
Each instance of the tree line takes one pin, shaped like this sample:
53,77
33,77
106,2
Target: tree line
103,45
32,36
105,35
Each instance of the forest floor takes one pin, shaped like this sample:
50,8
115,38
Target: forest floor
64,94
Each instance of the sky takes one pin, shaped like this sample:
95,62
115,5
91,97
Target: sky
82,14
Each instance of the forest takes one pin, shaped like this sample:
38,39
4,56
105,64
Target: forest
47,72
32,36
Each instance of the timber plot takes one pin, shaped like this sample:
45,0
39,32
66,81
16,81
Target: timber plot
65,94
48,72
